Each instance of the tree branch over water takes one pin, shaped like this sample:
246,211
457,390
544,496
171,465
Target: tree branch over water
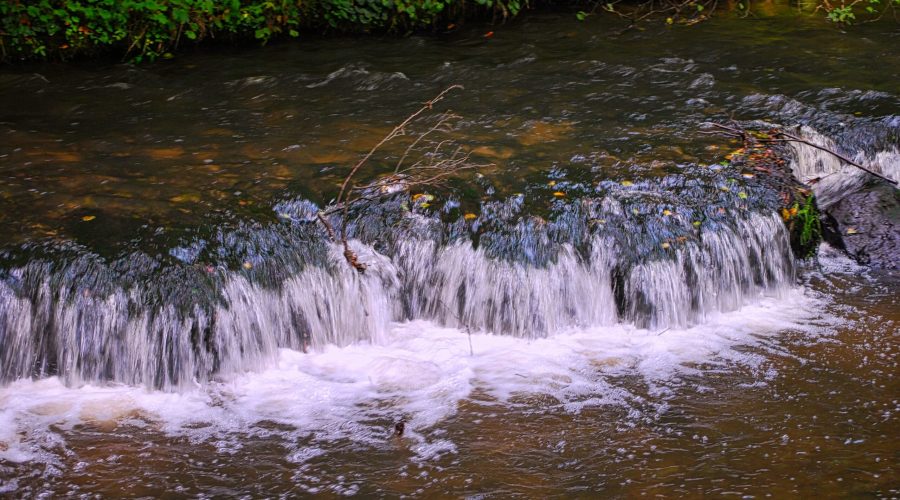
431,171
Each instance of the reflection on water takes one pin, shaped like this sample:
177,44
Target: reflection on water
793,394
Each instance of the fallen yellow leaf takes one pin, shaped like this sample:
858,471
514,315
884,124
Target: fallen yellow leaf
627,183
470,216
559,194
88,218
667,212
851,230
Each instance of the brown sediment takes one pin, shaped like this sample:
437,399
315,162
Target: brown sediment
541,131
55,156
496,153
164,153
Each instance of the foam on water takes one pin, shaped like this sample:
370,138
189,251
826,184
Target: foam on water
419,372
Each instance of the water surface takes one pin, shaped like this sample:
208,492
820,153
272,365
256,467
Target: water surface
580,336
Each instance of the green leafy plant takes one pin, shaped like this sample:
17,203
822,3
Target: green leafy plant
805,226
810,226
843,14
147,29
847,13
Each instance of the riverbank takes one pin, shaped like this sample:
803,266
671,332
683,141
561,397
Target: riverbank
139,30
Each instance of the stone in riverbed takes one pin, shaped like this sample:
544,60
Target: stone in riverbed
867,224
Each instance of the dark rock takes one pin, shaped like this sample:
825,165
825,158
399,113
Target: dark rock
867,225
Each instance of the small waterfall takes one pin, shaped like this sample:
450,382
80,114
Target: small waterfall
461,286
666,252
727,269
88,320
836,178
87,336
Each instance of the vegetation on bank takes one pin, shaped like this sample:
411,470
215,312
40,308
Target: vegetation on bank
147,29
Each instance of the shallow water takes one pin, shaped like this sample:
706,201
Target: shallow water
132,199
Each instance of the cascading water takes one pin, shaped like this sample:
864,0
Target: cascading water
83,320
831,178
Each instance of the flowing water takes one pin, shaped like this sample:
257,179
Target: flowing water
603,307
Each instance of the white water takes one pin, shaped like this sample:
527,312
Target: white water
419,371
90,337
552,331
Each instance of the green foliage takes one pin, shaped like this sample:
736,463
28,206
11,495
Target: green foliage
141,28
843,14
846,13
810,226
147,29
805,226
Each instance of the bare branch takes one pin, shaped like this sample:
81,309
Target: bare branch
738,132
394,133
430,171
794,138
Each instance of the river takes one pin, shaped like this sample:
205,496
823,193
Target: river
602,308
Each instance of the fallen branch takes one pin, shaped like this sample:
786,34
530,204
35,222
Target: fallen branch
738,132
794,138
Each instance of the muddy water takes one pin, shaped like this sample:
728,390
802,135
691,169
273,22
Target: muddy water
792,394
